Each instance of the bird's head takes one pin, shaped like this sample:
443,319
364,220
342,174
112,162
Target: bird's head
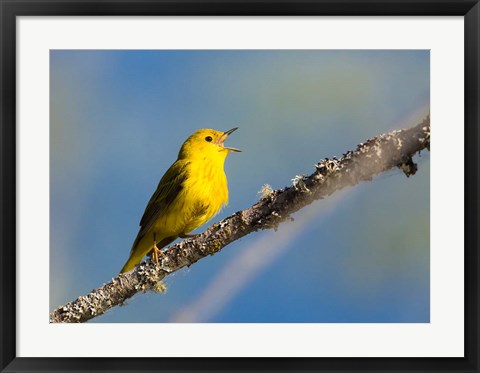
207,143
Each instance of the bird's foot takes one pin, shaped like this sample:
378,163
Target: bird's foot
156,253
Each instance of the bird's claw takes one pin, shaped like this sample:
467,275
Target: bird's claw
156,253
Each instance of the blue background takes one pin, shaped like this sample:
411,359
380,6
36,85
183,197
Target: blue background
118,119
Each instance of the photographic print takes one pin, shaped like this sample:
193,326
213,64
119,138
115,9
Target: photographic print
143,151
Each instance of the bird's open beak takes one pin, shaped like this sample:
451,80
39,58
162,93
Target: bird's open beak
224,137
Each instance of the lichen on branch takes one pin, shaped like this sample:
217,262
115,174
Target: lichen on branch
376,155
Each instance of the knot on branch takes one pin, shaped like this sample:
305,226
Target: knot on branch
409,167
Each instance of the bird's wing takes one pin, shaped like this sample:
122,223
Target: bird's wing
168,189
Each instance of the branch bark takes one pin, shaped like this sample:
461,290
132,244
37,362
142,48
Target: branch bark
376,155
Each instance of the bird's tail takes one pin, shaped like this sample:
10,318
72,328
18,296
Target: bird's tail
134,258
140,248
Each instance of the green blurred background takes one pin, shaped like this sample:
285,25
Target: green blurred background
118,119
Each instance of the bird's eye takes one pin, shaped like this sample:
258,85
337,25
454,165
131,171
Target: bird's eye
208,138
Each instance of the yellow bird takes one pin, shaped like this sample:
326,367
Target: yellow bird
190,193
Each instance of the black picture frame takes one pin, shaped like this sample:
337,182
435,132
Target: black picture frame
470,10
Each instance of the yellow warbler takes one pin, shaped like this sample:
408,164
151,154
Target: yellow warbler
190,193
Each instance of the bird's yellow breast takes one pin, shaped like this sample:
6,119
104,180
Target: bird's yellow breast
204,192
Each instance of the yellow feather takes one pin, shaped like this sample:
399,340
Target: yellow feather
191,192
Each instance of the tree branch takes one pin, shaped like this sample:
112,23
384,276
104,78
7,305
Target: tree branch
376,155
